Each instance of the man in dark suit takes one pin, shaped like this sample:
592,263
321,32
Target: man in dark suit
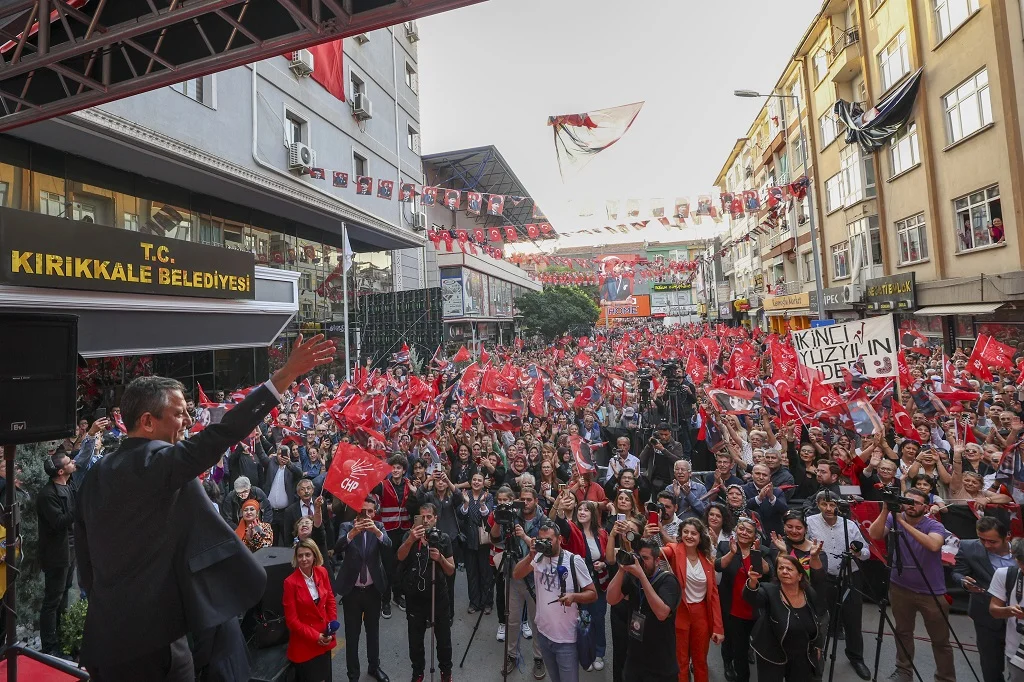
282,475
302,507
55,507
975,564
156,558
361,583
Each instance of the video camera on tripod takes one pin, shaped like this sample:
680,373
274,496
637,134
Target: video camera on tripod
670,370
645,385
893,500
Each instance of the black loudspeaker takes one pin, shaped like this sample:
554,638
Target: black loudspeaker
38,373
277,561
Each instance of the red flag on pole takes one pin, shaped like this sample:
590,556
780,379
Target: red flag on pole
863,513
462,355
354,473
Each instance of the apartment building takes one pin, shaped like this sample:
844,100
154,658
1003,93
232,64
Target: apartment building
925,227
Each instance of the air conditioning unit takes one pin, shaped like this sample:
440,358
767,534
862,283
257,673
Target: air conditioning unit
300,157
362,38
412,31
420,221
362,107
852,293
302,63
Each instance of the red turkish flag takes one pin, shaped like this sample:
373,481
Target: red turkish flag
538,406
532,230
354,473
864,513
581,452
479,236
545,228
628,366
484,357
696,369
510,233
581,361
901,422
494,234
995,353
462,355
976,364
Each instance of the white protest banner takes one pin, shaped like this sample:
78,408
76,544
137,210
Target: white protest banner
832,348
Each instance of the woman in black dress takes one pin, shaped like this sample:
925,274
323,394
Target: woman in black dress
785,636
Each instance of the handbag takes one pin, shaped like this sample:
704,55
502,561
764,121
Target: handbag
271,630
483,534
586,641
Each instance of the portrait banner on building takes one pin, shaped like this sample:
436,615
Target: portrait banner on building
831,349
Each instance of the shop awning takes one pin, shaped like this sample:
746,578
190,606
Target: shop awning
960,309
796,312
753,311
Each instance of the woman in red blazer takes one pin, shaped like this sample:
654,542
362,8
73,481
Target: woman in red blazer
699,616
309,607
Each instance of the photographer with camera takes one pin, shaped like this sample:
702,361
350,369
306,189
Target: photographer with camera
425,559
525,526
562,582
914,590
1007,603
653,595
659,456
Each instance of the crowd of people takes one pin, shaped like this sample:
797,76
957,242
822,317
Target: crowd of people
601,484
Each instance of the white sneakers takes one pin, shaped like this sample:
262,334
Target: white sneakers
501,632
527,632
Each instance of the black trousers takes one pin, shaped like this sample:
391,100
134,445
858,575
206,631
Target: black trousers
56,586
362,605
219,653
634,674
172,663
852,613
390,559
991,649
499,594
282,536
315,669
736,645
479,577
620,641
797,669
417,614
450,579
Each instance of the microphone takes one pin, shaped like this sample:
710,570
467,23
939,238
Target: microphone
331,628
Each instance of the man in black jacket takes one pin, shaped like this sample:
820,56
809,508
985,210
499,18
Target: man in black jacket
156,558
659,456
55,507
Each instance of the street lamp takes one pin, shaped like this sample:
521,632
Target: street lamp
810,188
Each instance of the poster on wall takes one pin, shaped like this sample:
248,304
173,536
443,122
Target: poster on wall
836,347
618,275
451,297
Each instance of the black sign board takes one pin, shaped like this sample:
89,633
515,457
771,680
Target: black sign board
835,299
43,251
671,286
891,294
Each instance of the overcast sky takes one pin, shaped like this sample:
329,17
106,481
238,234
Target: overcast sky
493,72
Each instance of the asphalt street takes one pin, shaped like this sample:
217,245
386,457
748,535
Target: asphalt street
483,663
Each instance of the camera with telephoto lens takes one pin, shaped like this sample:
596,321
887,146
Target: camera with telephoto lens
644,385
509,514
670,370
624,557
655,507
893,500
544,548
433,537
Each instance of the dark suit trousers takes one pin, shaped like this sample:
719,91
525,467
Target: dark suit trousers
991,649
479,576
418,615
171,663
56,585
387,554
852,614
362,605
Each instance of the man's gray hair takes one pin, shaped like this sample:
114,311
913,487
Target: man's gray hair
1017,549
684,463
243,483
147,394
826,495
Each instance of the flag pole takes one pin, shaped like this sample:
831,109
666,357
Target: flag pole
346,259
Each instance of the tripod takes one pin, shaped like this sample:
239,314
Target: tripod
505,568
433,602
844,584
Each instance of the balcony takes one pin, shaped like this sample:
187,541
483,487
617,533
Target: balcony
845,56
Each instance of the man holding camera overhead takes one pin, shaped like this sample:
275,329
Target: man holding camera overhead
425,557
659,456
562,582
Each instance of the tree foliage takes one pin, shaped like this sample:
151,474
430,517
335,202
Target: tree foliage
29,462
556,310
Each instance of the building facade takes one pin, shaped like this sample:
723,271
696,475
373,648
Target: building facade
208,162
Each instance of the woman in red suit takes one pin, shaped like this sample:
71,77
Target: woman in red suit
309,607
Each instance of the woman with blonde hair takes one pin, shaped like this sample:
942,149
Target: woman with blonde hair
310,612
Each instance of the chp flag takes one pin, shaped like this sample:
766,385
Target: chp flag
836,347
354,473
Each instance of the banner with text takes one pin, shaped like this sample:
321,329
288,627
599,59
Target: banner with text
839,346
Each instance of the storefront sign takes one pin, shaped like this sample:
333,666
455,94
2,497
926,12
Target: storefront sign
741,304
44,251
787,302
675,286
636,306
451,297
891,294
835,299
759,281
835,347
724,311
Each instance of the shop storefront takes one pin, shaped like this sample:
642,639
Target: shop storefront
790,311
836,305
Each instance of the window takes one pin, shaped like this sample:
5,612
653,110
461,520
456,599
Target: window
296,128
796,154
51,204
808,266
866,241
821,60
202,90
414,140
968,107
840,260
894,61
306,282
209,232
949,14
306,311
903,151
411,77
975,214
86,212
827,128
858,175
912,239
359,165
357,85
833,193
131,222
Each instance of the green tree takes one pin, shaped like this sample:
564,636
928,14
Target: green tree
555,310
29,462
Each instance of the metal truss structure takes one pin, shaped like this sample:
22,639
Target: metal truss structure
60,56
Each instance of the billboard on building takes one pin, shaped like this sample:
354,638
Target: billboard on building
617,272
452,297
635,306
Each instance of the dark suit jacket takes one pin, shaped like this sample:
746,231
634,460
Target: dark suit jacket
56,520
294,512
772,623
972,560
156,558
356,556
292,475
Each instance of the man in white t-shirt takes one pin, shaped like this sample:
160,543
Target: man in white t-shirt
1007,603
555,575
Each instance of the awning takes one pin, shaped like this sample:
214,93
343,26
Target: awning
961,309
795,312
753,311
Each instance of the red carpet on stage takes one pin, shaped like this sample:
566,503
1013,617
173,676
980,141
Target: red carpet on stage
33,671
